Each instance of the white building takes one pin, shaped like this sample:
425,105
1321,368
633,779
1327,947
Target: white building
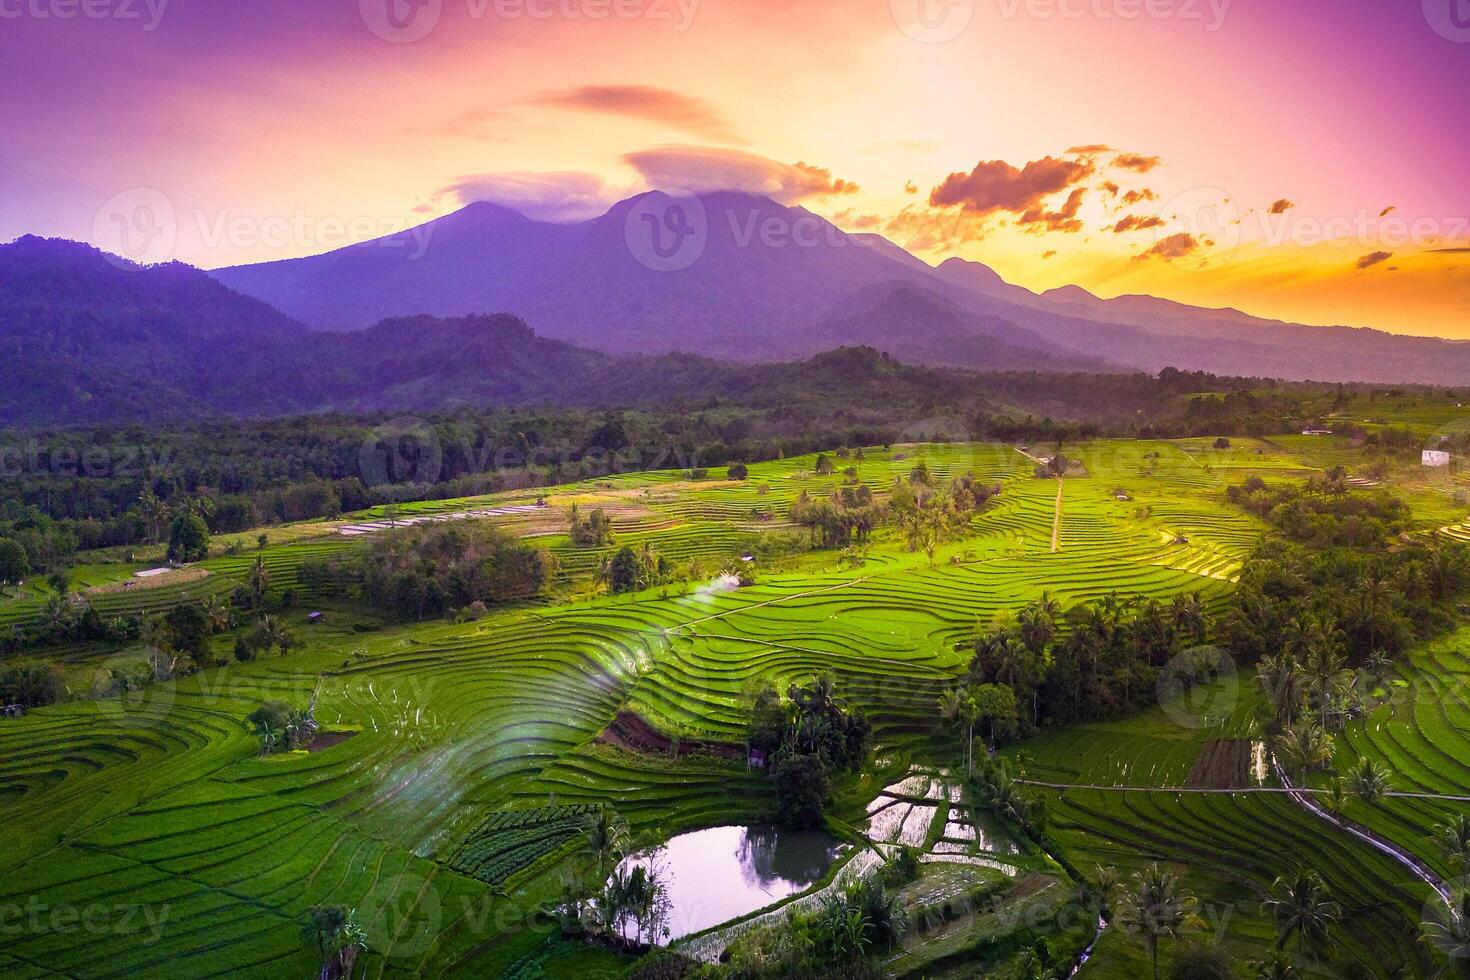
1436,457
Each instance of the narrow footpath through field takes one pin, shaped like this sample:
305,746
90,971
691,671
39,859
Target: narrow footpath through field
1056,521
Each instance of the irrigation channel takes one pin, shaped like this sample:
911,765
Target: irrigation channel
1303,797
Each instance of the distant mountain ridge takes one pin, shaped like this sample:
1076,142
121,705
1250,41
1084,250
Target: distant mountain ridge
772,282
87,338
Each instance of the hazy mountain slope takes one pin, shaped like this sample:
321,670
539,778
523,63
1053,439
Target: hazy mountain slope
768,282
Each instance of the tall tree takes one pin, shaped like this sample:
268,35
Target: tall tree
1303,912
1157,908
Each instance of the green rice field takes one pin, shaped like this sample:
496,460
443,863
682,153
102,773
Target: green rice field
447,812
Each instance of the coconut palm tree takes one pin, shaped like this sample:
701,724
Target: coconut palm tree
607,832
1336,795
218,614
1302,911
1278,967
958,707
1325,677
1454,841
275,633
1305,746
1187,615
1450,935
1157,908
260,580
1278,679
1371,781
334,933
1036,627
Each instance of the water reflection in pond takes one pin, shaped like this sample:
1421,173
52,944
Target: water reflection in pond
721,873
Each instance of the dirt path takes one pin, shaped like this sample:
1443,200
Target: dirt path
1056,522
1421,870
1302,797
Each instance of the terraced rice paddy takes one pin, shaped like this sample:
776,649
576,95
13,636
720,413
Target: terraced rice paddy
477,744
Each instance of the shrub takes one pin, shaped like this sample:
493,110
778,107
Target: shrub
802,788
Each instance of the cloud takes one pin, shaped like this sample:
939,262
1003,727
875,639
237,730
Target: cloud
701,169
1450,251
995,185
1171,247
1139,196
1063,220
1110,189
926,229
673,109
1090,149
1281,206
559,196
1048,253
850,219
1384,212
1373,258
910,187
1133,222
1136,161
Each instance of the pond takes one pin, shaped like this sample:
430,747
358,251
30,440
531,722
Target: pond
721,873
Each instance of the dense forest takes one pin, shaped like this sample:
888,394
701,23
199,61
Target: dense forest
84,488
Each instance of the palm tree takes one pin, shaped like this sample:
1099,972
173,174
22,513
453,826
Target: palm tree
1371,781
1379,666
1302,911
1450,935
1277,677
1157,908
1187,615
1326,677
1278,967
334,933
153,511
1454,841
1305,746
607,832
1101,890
218,614
275,633
1336,795
958,707
260,580
1036,627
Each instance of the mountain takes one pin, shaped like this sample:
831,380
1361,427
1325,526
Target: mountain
770,282
87,338
922,326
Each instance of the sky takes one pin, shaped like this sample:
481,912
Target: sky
1307,160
